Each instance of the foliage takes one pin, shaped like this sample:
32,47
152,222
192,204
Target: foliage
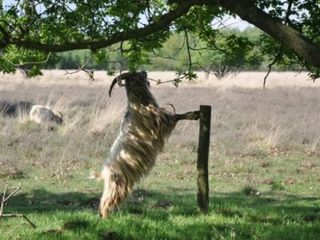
141,28
229,52
222,59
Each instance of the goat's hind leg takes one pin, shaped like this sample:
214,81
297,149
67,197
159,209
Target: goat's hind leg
113,194
106,197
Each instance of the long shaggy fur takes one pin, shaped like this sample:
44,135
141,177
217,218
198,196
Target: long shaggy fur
144,129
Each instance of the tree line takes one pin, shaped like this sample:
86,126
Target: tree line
233,51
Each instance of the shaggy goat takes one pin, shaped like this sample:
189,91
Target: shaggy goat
43,114
143,131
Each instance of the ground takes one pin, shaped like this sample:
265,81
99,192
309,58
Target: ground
263,168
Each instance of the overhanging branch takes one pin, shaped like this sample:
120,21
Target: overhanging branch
290,37
287,35
164,21
279,54
245,9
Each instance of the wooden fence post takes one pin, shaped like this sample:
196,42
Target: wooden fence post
202,162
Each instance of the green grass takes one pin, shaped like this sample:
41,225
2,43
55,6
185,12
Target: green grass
70,215
163,206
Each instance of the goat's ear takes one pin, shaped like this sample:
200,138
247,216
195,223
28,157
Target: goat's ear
173,108
144,74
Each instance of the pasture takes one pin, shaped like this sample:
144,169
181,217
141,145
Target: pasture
263,169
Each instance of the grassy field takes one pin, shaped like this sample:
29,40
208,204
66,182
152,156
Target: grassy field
263,169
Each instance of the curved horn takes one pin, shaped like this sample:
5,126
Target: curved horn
61,115
117,80
112,85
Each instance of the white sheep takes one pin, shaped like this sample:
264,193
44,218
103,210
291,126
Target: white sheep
44,114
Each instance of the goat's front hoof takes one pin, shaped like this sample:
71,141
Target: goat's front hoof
103,214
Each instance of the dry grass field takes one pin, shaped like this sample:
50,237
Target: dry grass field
264,160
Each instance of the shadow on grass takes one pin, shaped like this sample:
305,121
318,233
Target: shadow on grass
150,214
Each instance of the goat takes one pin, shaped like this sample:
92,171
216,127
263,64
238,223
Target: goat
144,129
44,114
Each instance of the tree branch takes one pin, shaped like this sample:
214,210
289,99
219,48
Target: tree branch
287,35
24,64
188,51
90,73
19,215
280,51
164,21
5,37
5,199
276,59
283,33
245,9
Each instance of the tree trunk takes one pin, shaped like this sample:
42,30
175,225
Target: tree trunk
287,35
290,37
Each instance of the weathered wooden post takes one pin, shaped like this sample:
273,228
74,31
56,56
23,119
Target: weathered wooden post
202,162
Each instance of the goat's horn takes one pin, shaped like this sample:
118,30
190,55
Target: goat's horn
112,85
61,115
116,80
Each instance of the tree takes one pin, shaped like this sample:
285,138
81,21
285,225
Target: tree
232,52
31,29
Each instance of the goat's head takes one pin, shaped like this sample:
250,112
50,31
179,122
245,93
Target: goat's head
57,118
133,82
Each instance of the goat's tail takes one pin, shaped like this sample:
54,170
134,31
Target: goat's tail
115,191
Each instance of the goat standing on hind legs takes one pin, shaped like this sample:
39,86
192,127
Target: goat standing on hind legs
143,131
